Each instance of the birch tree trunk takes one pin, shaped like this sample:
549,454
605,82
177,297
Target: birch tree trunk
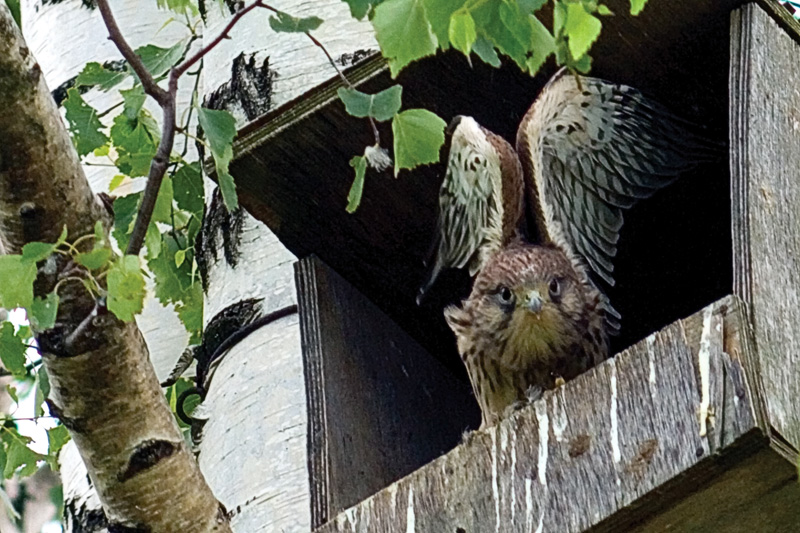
254,447
257,402
103,387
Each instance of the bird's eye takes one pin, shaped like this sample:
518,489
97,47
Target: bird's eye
505,295
555,289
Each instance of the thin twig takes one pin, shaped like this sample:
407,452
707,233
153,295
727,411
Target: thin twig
76,335
178,71
336,68
115,34
167,98
346,82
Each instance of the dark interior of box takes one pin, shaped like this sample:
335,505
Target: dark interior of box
675,248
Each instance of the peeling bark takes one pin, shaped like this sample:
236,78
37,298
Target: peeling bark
104,388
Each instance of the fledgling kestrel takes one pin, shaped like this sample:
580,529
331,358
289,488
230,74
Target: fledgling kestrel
589,149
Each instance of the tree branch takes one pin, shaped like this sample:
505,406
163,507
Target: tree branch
166,99
115,34
107,395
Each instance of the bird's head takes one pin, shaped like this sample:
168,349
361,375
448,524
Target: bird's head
528,300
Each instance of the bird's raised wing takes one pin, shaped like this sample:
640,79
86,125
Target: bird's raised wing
591,149
480,202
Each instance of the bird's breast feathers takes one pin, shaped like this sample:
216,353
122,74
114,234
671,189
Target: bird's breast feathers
536,338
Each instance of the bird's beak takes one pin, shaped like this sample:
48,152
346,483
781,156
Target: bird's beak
533,301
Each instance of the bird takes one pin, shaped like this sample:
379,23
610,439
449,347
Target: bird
538,226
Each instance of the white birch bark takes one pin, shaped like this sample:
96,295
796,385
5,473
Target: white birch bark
254,449
297,63
253,452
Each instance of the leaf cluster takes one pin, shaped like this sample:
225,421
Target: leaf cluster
408,30
130,144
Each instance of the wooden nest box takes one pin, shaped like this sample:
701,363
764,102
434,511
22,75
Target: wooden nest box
693,428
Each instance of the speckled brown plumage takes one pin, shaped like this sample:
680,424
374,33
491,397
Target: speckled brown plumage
531,318
589,149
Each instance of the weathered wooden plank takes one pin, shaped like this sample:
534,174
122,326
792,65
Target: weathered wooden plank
765,135
379,405
609,451
292,172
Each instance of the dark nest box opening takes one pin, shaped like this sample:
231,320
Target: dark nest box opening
675,248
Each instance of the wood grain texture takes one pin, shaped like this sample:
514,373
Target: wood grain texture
765,133
615,449
379,405
292,171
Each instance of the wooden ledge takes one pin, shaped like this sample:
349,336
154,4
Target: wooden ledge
668,434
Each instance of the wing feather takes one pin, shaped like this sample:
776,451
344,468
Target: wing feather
480,201
592,149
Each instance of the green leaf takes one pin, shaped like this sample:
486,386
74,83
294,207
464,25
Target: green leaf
20,456
220,130
95,74
125,210
528,7
176,283
542,43
172,280
57,437
180,7
43,311
180,257
603,9
152,241
18,276
159,60
285,23
462,32
583,65
439,13
3,454
190,311
516,22
12,350
418,136
581,28
403,32
37,251
135,142
83,124
116,181
95,259
637,6
12,391
133,100
501,23
360,8
486,51
125,287
14,7
381,106
99,235
42,390
359,163
162,211
187,185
